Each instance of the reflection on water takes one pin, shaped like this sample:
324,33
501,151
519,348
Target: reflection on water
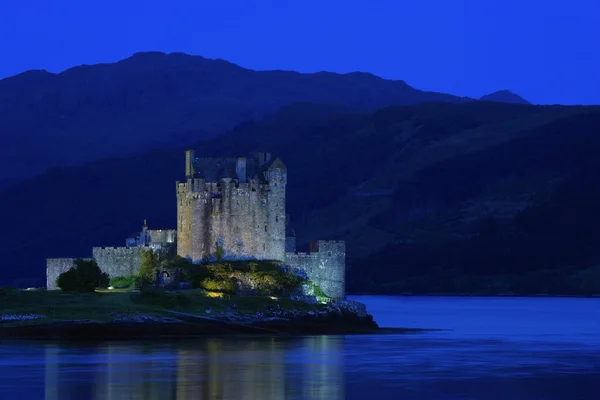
213,368
495,348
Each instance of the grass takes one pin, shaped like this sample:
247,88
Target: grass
98,306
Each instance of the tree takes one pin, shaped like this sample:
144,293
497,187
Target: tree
148,265
85,276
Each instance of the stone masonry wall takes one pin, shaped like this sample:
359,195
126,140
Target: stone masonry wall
276,213
247,219
55,267
325,266
118,261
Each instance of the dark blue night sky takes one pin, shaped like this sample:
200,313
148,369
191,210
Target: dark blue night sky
546,51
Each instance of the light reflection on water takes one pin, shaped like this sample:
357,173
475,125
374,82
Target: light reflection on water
211,368
496,349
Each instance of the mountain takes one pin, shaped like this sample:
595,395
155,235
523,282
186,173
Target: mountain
156,100
479,197
504,96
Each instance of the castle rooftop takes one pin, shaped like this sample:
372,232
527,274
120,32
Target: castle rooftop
238,168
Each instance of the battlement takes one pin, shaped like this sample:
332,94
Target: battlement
240,169
325,265
200,186
118,261
333,246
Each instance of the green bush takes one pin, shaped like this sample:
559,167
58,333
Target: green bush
261,277
219,285
85,276
123,282
183,265
149,262
318,291
6,290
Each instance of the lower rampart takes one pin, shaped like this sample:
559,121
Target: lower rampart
325,267
55,267
118,261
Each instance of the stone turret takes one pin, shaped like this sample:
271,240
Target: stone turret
189,164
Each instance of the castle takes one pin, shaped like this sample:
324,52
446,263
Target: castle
231,209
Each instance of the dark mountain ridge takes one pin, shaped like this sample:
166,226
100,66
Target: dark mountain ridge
153,100
504,96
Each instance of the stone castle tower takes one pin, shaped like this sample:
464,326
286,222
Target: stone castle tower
233,208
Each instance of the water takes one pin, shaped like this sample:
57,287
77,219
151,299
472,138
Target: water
494,348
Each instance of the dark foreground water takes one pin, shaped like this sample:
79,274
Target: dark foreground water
497,348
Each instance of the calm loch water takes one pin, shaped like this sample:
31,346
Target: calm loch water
493,348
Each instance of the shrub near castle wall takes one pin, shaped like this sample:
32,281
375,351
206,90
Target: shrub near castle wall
325,266
55,267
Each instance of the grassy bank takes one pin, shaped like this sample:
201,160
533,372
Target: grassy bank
103,305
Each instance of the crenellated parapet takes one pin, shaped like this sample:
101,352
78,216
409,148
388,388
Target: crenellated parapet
324,264
118,261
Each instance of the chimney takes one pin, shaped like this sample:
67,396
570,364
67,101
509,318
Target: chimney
240,169
262,158
190,170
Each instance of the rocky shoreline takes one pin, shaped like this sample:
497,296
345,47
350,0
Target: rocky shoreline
348,317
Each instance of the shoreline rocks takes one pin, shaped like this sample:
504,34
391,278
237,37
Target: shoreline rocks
337,318
20,317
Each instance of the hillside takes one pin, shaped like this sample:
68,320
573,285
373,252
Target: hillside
156,100
487,192
504,96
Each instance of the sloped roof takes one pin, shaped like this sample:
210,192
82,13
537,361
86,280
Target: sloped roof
215,169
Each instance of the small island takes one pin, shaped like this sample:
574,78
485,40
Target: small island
231,266
151,312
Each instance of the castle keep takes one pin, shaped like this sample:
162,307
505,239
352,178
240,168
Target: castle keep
232,206
231,209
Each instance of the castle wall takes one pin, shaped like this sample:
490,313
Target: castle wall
276,215
118,261
246,219
162,236
325,266
55,267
